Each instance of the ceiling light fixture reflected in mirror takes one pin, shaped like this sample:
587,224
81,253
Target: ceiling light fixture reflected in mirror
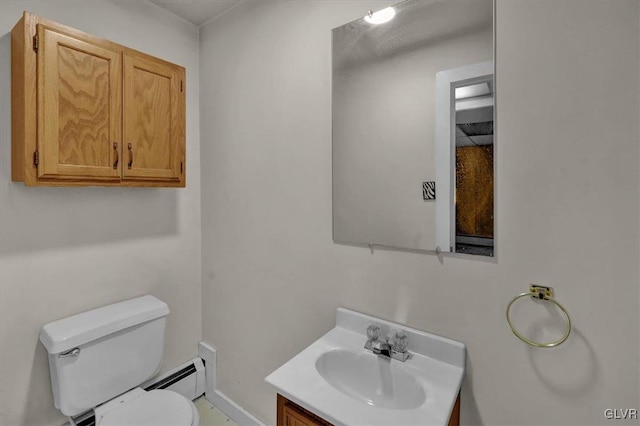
381,16
473,91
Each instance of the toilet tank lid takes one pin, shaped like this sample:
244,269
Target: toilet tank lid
68,333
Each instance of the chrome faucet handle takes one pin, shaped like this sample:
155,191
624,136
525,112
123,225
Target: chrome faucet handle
400,341
395,348
381,348
373,332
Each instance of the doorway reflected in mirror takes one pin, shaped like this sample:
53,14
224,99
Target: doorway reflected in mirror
474,169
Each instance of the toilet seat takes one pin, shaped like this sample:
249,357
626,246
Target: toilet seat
154,408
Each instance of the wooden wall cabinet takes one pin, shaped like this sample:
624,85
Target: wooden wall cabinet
87,111
291,414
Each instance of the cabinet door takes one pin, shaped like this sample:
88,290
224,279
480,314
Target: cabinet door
79,108
291,414
292,417
153,120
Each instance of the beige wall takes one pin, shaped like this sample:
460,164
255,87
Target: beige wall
65,250
568,213
567,209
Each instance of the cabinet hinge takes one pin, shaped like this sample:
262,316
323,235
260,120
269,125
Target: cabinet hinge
181,85
36,43
36,158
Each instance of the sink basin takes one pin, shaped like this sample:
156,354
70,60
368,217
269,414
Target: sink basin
370,379
337,379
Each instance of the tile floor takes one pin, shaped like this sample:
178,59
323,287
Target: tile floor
210,415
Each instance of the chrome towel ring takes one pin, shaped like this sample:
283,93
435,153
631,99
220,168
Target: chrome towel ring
541,293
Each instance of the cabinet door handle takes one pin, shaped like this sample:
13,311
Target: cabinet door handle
130,155
115,162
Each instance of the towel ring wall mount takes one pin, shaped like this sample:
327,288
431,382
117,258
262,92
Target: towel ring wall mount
540,293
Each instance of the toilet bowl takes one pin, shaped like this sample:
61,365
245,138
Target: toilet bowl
99,358
153,408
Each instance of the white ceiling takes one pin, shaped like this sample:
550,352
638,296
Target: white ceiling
417,24
196,11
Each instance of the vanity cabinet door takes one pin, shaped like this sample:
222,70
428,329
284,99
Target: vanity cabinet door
296,418
291,414
154,121
79,104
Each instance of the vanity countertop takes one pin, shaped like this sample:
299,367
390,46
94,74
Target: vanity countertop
437,364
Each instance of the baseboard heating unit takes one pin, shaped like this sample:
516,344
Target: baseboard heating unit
186,379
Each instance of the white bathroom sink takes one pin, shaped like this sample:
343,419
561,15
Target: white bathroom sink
342,382
370,379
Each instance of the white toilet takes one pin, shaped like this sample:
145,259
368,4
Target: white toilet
97,360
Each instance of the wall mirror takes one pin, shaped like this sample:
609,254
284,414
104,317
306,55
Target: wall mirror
413,127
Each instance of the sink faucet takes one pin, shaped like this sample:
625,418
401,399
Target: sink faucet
397,349
381,348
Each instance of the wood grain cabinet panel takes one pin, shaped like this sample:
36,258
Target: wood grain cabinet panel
87,111
295,418
291,414
152,130
79,100
288,413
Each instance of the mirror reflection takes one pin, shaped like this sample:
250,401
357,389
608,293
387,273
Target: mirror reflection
413,127
474,168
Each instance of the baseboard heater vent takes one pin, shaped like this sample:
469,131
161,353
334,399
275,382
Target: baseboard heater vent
174,378
186,379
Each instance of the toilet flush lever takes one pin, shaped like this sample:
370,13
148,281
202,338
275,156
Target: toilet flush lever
72,353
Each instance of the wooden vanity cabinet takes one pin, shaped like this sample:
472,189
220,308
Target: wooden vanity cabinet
87,111
291,414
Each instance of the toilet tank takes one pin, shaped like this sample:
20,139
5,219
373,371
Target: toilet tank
99,354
